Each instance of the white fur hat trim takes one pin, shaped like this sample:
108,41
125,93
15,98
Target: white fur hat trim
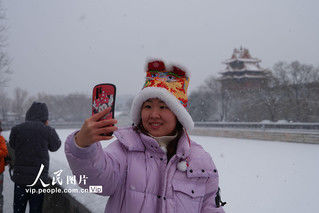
171,101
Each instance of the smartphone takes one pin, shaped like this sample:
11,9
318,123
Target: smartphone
103,97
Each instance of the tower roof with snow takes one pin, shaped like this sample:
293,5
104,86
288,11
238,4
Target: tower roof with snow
242,54
242,66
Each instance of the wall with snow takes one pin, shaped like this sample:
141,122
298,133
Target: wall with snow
294,135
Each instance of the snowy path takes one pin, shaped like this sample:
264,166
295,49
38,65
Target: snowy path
255,176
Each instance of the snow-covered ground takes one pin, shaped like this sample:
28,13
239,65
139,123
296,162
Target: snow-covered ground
255,176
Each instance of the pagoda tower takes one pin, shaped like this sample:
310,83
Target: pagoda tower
243,72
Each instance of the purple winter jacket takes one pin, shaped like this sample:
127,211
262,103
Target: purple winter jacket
134,172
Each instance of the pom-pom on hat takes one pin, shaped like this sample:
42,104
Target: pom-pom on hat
169,85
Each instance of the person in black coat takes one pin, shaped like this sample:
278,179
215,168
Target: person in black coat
32,141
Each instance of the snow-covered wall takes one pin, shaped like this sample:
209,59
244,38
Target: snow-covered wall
292,135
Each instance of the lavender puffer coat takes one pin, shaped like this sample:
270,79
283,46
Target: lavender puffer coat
134,172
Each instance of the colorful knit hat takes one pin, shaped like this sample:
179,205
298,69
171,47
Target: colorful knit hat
168,85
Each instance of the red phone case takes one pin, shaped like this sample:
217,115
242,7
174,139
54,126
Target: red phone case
104,97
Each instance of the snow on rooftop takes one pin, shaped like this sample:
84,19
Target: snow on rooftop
252,67
242,54
243,63
242,59
243,76
246,67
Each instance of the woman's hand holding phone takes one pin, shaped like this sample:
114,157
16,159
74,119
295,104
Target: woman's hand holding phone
95,129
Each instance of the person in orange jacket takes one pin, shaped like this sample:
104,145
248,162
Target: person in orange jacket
3,154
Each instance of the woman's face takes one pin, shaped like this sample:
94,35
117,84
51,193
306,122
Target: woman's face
157,119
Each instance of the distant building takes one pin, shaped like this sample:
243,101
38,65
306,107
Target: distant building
243,72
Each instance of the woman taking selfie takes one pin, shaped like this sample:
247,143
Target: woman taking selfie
153,166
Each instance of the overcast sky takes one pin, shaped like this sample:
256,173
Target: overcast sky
66,46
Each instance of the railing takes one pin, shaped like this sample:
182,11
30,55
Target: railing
255,125
58,125
238,125
296,132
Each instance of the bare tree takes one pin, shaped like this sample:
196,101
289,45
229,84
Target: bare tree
270,99
198,106
72,107
77,107
4,105
19,102
204,102
225,104
4,59
294,82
